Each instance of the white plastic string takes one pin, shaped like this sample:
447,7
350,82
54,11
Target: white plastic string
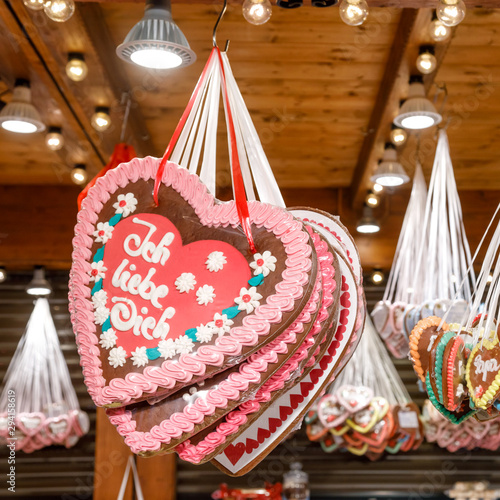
137,484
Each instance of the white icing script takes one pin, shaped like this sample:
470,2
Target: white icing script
124,314
147,249
124,317
484,367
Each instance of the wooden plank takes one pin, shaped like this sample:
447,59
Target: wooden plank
158,476
111,455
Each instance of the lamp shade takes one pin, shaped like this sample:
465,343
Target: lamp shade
417,112
39,285
390,172
156,42
367,224
19,115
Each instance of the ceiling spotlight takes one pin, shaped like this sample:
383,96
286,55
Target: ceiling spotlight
79,174
417,112
257,11
54,139
353,12
389,172
398,135
39,285
34,4
101,120
3,274
372,199
367,224
378,188
59,10
377,276
451,12
19,115
426,60
156,42
76,67
438,30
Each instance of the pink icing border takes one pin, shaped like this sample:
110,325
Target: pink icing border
235,419
250,371
295,277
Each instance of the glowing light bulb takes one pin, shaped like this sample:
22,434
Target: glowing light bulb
54,139
372,200
353,12
426,61
377,277
101,120
59,10
156,58
439,32
79,174
76,68
398,136
257,11
34,4
378,188
3,274
451,12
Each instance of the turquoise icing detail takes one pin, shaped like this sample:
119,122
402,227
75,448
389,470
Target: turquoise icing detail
106,325
231,312
153,353
329,449
191,333
99,255
256,280
115,219
96,287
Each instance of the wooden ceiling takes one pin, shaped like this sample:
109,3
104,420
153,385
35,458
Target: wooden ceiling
322,96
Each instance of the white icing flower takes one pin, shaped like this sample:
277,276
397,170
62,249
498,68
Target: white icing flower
117,357
185,282
103,232
97,271
221,324
204,333
248,299
215,261
99,299
205,294
140,357
126,204
101,315
108,339
167,348
263,263
183,345
460,390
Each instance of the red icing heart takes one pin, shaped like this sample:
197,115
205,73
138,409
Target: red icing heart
251,445
274,423
306,388
285,411
181,259
344,300
234,452
263,434
295,400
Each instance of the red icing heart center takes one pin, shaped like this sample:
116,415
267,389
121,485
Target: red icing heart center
144,258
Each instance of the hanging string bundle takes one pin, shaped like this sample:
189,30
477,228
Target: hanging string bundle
38,405
367,410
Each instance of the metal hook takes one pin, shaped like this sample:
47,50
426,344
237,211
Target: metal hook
214,35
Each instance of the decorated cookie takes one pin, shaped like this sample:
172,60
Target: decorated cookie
422,339
454,386
331,412
355,398
436,362
168,295
483,373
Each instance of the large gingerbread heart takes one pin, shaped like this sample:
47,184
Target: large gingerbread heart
169,295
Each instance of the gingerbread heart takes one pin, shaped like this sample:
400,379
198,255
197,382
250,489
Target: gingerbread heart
30,423
169,295
421,341
454,363
354,398
381,318
331,412
364,420
58,428
483,373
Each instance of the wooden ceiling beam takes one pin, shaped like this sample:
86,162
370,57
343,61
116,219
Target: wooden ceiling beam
412,32
410,4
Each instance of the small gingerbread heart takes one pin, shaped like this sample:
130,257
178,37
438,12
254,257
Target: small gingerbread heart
331,412
354,398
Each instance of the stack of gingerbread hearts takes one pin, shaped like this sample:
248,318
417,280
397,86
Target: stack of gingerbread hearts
209,328
430,274
38,405
367,410
459,363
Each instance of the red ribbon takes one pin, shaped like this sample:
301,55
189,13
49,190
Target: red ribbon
237,177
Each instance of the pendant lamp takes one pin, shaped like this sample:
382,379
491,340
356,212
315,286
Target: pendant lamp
368,224
390,172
